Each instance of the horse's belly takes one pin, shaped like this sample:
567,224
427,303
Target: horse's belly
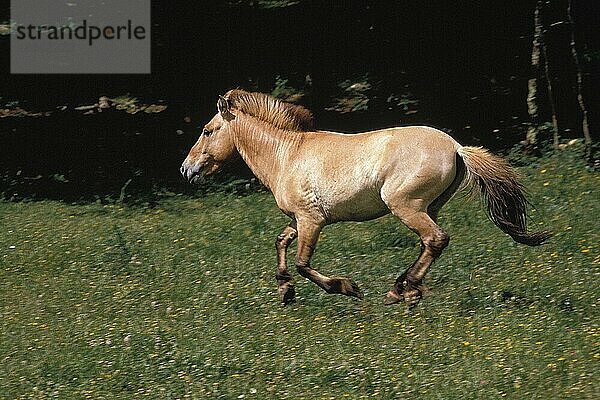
360,206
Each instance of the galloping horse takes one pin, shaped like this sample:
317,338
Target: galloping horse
319,178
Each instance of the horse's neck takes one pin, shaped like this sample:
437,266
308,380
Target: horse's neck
265,149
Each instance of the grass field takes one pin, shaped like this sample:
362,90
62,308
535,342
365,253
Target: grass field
179,301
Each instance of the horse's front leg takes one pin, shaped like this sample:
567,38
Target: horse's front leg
308,234
285,284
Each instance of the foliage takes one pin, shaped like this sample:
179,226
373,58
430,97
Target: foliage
179,301
284,91
592,56
8,103
354,96
405,102
264,3
132,105
276,3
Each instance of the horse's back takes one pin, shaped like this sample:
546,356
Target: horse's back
398,151
416,139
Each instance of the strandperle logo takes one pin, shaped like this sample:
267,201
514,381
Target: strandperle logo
85,31
80,36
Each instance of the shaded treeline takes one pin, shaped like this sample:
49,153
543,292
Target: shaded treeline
466,64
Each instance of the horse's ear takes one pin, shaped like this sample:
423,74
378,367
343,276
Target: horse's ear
224,107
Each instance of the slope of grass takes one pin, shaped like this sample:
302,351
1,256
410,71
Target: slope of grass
179,301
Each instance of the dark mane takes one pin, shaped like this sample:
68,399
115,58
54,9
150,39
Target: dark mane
271,110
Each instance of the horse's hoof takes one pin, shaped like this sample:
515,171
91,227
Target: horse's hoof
287,294
355,290
392,298
287,302
347,287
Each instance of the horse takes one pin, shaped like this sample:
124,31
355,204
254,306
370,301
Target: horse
320,178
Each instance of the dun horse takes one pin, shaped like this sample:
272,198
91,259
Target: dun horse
319,178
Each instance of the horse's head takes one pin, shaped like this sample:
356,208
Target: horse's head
214,147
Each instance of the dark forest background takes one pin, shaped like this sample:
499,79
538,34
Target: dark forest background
460,66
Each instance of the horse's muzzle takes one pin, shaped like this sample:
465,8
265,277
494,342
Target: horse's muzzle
192,173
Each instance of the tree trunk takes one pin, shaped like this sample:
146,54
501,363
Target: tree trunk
550,92
589,154
531,140
535,137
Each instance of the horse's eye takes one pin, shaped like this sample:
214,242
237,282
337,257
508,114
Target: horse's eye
206,132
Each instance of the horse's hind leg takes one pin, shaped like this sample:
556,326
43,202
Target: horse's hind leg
308,234
409,285
285,284
435,206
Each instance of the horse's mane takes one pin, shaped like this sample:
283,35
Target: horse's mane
273,111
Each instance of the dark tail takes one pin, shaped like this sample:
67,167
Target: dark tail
505,196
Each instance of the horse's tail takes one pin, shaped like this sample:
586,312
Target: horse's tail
504,195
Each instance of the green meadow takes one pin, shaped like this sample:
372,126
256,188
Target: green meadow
179,301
